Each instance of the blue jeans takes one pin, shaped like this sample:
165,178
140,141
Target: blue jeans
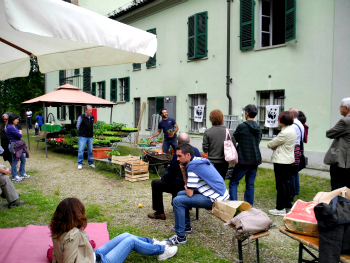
169,141
295,179
238,172
182,203
82,141
22,166
117,249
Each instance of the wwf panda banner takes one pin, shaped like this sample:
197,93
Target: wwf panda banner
271,118
198,113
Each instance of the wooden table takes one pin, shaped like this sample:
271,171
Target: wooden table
312,242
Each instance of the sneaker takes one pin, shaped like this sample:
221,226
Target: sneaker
92,166
277,212
157,242
188,229
25,176
168,253
80,166
15,203
176,240
17,178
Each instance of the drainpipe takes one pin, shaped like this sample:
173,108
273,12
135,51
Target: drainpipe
228,78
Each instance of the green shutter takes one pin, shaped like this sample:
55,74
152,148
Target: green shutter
64,113
136,66
127,89
86,79
71,112
290,19
93,88
103,84
152,60
76,72
191,38
58,113
61,77
159,104
113,94
247,24
201,34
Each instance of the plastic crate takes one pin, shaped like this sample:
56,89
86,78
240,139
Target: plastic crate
100,153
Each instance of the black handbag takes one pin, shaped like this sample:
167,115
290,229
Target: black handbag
304,161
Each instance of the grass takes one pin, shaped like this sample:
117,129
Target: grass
40,207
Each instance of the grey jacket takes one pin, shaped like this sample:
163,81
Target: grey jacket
339,152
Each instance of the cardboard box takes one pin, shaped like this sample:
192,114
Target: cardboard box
100,153
301,219
225,210
121,160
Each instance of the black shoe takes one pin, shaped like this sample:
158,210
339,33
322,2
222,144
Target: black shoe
3,195
15,203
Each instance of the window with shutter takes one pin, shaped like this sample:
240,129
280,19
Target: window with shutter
76,71
86,79
127,89
113,95
152,62
195,100
101,89
151,110
136,66
159,104
61,77
93,88
290,20
197,35
247,24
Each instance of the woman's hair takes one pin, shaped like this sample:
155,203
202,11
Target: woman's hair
12,117
286,118
216,117
69,213
302,117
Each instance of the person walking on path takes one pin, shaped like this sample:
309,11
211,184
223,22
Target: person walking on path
338,155
85,126
248,136
170,129
40,119
29,114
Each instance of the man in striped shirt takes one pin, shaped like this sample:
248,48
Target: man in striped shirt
203,186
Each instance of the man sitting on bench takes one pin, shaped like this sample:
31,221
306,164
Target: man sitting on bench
203,186
171,182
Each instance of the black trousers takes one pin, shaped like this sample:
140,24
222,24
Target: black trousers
221,168
340,177
284,185
158,188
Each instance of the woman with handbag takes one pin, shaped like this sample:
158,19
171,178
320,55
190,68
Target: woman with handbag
71,244
18,153
282,159
213,142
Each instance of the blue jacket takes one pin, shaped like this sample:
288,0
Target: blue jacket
207,172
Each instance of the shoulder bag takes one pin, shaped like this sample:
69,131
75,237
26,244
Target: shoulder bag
303,159
231,155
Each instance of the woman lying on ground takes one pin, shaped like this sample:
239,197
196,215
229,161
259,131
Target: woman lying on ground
71,243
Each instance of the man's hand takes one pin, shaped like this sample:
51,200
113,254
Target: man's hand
20,131
149,138
6,171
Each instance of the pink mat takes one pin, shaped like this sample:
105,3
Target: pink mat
29,244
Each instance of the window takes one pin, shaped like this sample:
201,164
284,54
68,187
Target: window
136,66
197,35
61,113
93,88
137,103
87,79
124,89
113,95
152,62
276,22
102,89
197,99
151,110
78,111
76,71
274,97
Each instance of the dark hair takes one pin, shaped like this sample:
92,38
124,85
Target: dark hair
186,148
12,117
302,117
69,213
251,110
161,111
286,118
216,117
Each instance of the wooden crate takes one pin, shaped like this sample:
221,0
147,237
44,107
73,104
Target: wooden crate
135,178
136,171
121,160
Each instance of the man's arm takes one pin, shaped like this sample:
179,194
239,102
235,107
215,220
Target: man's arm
5,170
338,130
78,123
156,134
176,128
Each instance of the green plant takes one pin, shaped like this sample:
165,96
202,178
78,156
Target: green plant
170,131
113,152
117,126
98,125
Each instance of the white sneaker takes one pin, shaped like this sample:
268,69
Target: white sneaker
80,167
277,212
92,166
25,175
168,253
17,178
157,242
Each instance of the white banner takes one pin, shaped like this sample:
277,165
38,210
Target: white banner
271,118
198,113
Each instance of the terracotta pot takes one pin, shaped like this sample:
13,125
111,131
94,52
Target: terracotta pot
171,134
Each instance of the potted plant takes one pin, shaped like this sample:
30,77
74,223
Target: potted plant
170,133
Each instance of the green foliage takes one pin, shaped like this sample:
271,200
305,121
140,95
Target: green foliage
98,124
113,152
129,129
117,126
170,131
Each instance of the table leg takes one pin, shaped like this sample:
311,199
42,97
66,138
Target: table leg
257,250
240,251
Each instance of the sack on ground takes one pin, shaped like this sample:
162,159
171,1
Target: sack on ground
225,210
250,222
231,155
301,219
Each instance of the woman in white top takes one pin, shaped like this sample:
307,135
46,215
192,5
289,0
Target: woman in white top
282,159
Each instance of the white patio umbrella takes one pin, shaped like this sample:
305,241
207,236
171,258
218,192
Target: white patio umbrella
65,36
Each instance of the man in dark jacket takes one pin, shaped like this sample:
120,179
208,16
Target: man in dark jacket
85,126
248,136
171,182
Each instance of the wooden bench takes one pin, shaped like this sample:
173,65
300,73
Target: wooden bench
312,242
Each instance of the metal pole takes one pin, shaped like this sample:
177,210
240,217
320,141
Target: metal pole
228,78
111,115
27,128
44,113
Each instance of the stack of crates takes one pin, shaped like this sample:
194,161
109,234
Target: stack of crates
136,171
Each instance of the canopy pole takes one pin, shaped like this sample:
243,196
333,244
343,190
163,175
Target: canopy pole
27,127
111,115
44,113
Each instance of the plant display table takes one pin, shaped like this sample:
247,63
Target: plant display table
51,128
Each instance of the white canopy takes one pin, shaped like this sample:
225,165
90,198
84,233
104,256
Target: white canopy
65,36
